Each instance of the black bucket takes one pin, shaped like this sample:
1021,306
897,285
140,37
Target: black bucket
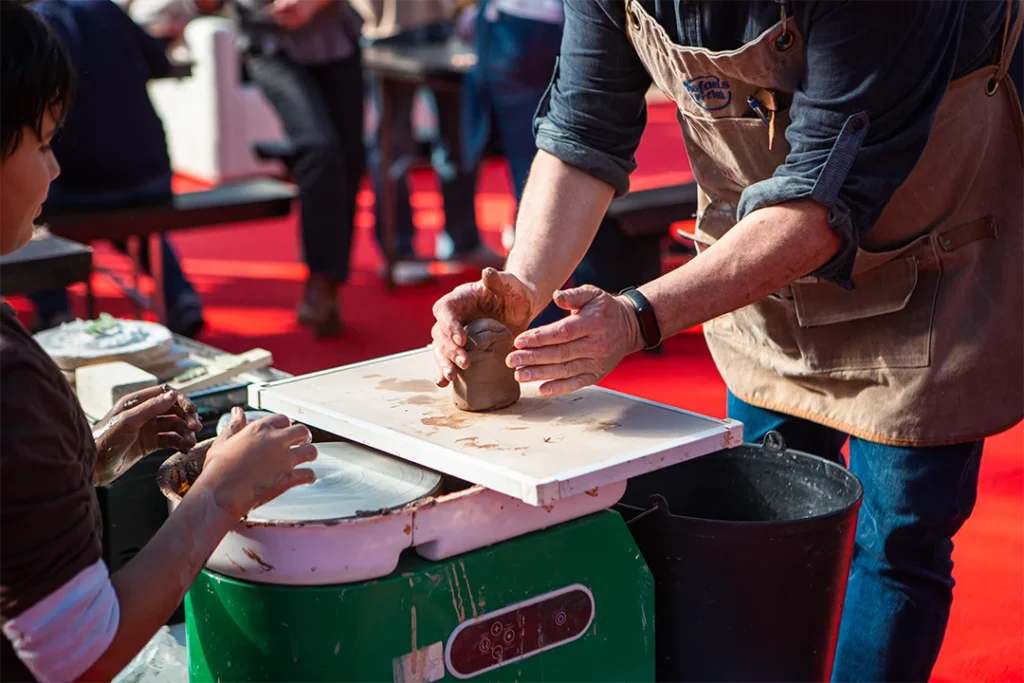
750,550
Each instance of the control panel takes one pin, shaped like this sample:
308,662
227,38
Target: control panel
519,631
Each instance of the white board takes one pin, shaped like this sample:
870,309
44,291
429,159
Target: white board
539,449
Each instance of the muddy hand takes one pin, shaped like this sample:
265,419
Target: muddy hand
498,294
581,348
140,423
251,464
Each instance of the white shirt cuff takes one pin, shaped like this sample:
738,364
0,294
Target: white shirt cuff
63,634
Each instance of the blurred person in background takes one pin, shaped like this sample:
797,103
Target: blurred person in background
305,56
112,147
63,615
409,23
517,43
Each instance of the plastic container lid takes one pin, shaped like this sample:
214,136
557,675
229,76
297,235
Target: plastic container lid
352,480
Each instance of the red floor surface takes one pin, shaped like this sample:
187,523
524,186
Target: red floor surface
250,278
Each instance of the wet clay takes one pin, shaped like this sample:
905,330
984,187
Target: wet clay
488,384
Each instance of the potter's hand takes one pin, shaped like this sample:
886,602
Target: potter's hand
294,14
580,349
498,294
249,465
140,423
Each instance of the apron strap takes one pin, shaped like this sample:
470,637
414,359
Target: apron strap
1011,35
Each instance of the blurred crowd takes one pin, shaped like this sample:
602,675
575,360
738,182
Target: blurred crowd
307,58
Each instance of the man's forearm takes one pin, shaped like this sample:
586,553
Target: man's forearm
561,210
764,252
152,584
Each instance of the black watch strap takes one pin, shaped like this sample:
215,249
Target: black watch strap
645,316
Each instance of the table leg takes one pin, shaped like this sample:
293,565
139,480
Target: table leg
135,252
156,270
388,210
90,299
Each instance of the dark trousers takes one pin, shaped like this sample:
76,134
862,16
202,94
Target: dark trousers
321,108
901,581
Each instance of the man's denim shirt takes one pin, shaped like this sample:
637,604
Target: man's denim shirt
889,61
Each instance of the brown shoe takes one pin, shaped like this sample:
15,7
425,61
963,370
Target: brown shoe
320,308
481,258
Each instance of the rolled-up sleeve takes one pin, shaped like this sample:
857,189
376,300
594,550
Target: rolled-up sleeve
861,116
594,111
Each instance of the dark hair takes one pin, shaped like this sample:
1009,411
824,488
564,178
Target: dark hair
36,75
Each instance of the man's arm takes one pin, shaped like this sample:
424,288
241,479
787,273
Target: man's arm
767,250
561,210
861,116
588,128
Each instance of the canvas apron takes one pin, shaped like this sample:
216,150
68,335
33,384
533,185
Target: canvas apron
928,348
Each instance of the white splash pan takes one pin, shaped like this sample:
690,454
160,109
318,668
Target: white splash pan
540,462
364,548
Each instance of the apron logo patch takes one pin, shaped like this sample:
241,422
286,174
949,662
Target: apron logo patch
710,93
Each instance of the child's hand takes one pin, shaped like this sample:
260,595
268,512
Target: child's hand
140,423
249,465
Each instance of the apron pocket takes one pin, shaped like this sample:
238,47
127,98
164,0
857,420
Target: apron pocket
886,289
886,322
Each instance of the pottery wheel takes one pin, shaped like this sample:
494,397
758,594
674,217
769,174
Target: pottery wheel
350,479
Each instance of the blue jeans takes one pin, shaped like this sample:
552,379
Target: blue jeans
901,584
515,62
458,183
54,302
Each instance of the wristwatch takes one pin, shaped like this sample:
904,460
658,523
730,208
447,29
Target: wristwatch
645,317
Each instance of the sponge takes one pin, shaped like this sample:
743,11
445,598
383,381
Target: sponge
102,385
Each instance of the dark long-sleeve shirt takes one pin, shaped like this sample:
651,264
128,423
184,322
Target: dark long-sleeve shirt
889,60
112,139
331,35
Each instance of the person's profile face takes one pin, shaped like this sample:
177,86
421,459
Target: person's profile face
25,178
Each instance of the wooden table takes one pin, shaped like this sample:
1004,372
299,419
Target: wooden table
143,225
438,67
47,262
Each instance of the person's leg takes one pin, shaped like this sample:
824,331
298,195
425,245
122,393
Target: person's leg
402,152
336,82
514,107
516,63
320,172
458,183
799,434
520,61
52,307
901,583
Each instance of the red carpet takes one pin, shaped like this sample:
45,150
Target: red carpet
250,279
